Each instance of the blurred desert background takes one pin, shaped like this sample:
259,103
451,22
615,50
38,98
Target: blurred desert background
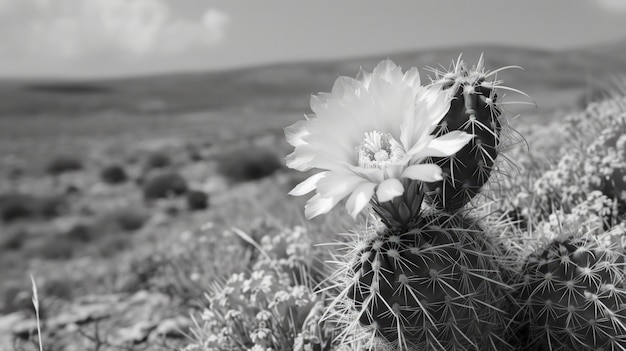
125,166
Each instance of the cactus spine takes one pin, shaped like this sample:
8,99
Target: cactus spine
474,110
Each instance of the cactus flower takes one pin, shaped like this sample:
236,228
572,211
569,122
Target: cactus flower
368,134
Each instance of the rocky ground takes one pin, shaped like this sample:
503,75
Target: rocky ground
141,321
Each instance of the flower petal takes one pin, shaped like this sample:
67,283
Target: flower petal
307,185
388,71
359,198
309,156
336,187
412,77
449,143
444,146
389,189
427,172
338,184
298,161
394,170
430,106
373,175
295,132
436,103
365,77
318,205
319,102
345,87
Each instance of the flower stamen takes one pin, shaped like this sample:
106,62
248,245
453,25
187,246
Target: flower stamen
377,150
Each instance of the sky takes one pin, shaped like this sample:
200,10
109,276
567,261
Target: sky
112,38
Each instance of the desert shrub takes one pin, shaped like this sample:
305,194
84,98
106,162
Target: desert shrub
130,220
157,160
120,220
14,239
112,244
164,185
194,153
19,297
64,164
249,164
51,247
51,206
80,232
142,271
594,157
593,94
183,265
197,200
16,298
16,206
113,174
592,162
267,308
166,273
292,250
583,191
60,288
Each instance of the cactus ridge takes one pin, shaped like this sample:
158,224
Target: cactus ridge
573,297
474,109
436,287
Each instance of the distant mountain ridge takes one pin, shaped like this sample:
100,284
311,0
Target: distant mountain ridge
553,78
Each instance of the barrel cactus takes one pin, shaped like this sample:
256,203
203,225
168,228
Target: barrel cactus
434,287
573,297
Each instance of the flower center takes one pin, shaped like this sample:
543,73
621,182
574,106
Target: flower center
377,150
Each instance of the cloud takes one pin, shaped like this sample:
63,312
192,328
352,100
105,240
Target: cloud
613,5
215,21
70,29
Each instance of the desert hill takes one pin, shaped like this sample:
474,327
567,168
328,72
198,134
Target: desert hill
555,79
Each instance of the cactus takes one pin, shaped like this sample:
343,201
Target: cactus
474,109
435,287
424,276
574,297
